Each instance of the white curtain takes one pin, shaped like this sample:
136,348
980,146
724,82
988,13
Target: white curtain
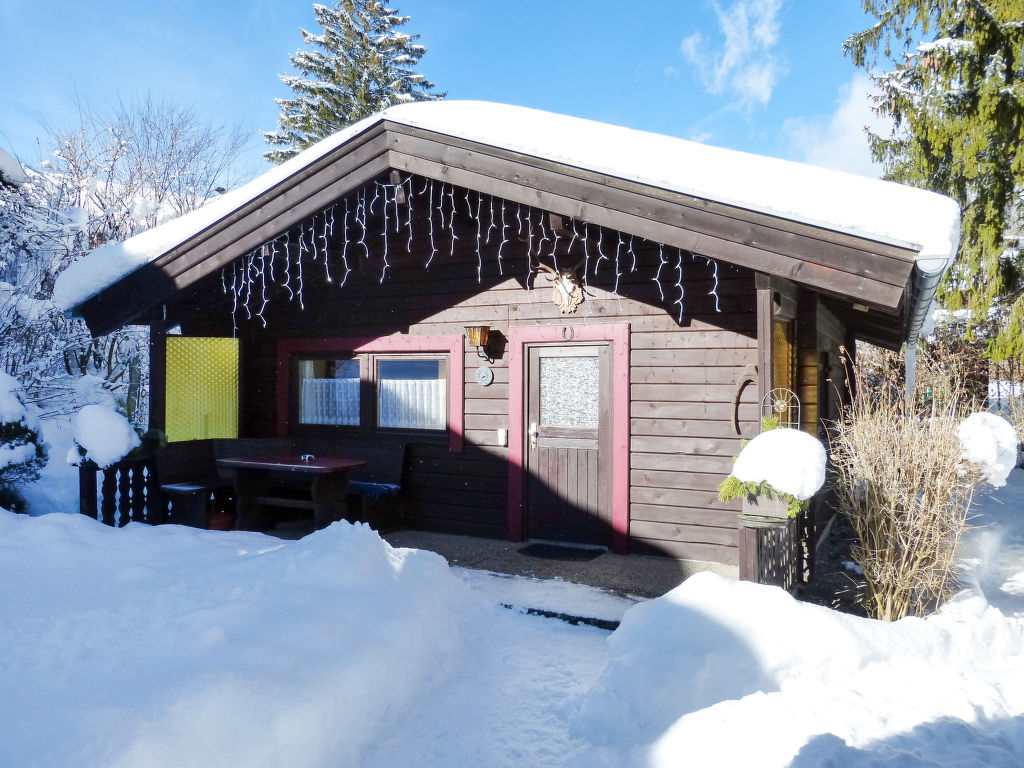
412,403
330,401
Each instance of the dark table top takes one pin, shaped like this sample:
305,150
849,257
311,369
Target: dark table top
320,465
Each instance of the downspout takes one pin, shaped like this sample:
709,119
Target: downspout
924,284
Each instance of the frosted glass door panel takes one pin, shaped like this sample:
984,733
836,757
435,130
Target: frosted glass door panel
569,392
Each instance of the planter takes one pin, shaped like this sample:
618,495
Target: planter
774,509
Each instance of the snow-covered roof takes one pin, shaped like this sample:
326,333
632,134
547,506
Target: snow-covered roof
833,200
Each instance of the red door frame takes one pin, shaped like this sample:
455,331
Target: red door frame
519,337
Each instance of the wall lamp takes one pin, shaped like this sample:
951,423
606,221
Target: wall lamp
477,336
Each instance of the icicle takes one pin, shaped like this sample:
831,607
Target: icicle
600,250
430,221
618,272
440,205
248,286
223,280
490,205
376,195
287,268
234,297
263,285
519,211
408,217
554,248
714,288
344,245
384,236
575,237
451,220
679,284
361,218
529,232
504,239
327,250
479,256
469,208
632,253
657,275
543,234
287,247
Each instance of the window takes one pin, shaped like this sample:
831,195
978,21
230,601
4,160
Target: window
411,393
328,391
396,383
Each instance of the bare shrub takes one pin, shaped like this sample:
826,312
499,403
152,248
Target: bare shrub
901,481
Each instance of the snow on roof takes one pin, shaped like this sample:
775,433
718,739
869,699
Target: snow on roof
834,200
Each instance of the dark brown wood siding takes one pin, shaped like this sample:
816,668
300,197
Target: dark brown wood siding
682,375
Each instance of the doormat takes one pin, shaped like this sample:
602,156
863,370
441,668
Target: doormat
556,552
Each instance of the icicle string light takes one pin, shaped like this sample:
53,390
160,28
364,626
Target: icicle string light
451,220
314,238
714,288
657,275
430,222
679,284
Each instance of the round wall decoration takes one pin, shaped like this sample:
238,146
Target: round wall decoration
484,376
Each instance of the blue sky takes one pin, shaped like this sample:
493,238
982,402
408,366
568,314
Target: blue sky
765,76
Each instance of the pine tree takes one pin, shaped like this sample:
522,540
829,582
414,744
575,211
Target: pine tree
360,65
957,102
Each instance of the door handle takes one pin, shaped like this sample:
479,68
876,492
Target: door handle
533,436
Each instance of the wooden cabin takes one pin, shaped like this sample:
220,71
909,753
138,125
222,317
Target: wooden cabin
638,295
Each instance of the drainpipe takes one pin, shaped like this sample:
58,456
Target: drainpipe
924,284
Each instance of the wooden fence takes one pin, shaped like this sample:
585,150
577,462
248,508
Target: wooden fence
127,492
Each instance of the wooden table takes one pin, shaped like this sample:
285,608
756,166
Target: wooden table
258,480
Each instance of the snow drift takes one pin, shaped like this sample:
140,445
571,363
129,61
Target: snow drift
172,646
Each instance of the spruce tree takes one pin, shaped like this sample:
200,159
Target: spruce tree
359,65
955,92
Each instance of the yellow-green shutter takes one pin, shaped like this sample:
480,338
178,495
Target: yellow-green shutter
202,388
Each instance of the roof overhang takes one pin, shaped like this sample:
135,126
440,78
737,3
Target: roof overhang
848,267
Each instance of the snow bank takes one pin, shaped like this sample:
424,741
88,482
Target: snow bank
103,435
788,460
13,409
173,646
734,673
991,442
11,170
832,199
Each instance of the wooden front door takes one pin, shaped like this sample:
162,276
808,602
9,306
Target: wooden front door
568,451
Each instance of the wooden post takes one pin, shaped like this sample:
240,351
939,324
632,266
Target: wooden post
157,374
87,488
763,284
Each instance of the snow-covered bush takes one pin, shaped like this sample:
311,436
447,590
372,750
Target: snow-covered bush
990,441
905,480
102,436
783,463
22,450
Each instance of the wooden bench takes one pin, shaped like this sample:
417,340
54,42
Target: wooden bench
186,474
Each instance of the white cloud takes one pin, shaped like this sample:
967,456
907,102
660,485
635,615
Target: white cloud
838,141
746,64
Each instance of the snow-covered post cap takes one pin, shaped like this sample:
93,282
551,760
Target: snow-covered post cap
783,461
102,436
990,442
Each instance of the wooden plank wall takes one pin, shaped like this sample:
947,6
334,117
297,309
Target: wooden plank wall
682,376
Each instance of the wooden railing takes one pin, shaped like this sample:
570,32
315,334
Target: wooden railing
127,492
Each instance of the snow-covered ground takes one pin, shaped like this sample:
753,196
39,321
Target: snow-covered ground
173,646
